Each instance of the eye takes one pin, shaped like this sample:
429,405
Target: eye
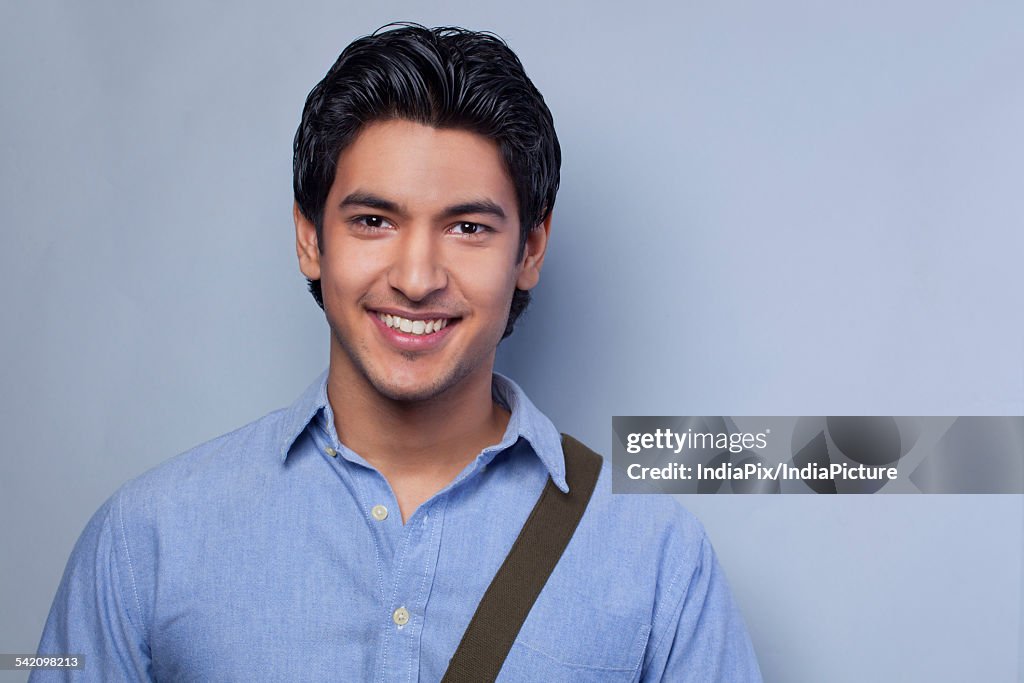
468,229
371,223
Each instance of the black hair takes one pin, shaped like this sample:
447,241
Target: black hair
445,77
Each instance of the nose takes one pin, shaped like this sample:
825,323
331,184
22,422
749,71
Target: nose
416,270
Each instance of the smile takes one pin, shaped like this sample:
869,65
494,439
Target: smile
417,327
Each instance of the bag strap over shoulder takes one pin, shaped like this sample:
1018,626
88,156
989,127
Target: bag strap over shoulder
536,551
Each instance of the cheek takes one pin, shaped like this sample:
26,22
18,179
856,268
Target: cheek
348,271
489,284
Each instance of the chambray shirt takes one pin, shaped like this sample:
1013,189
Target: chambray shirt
275,553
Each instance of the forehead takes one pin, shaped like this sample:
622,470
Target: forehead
422,166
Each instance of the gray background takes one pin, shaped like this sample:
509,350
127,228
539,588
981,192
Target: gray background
767,208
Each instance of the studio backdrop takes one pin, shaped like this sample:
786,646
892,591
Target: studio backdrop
766,209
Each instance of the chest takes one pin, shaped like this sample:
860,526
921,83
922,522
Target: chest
329,591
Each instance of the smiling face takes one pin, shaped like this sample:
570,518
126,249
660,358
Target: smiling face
418,259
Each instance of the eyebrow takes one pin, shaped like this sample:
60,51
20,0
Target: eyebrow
482,206
477,206
371,201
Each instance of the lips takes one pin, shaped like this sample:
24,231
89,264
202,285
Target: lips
413,325
413,332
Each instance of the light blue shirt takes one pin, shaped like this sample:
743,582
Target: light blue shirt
274,553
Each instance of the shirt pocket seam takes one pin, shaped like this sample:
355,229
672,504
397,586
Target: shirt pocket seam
635,657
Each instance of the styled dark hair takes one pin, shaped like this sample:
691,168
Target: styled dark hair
445,77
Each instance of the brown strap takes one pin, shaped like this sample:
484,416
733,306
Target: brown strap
522,575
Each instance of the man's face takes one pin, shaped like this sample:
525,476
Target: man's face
418,258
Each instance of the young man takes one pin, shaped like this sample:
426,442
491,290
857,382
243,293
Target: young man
351,536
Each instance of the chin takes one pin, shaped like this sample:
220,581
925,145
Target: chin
402,393
418,387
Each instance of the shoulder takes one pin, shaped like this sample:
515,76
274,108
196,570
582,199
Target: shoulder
658,523
638,566
647,550
220,467
644,548
655,527
251,445
651,558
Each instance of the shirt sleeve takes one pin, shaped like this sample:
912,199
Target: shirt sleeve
96,612
704,638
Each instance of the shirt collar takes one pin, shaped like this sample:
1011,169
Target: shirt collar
531,424
526,421
299,414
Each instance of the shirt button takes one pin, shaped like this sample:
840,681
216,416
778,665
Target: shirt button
401,616
380,513
330,451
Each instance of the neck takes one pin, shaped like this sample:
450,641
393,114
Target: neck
427,440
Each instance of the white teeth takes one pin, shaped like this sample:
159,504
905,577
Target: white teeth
413,326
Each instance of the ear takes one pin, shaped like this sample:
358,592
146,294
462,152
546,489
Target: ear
533,255
306,244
